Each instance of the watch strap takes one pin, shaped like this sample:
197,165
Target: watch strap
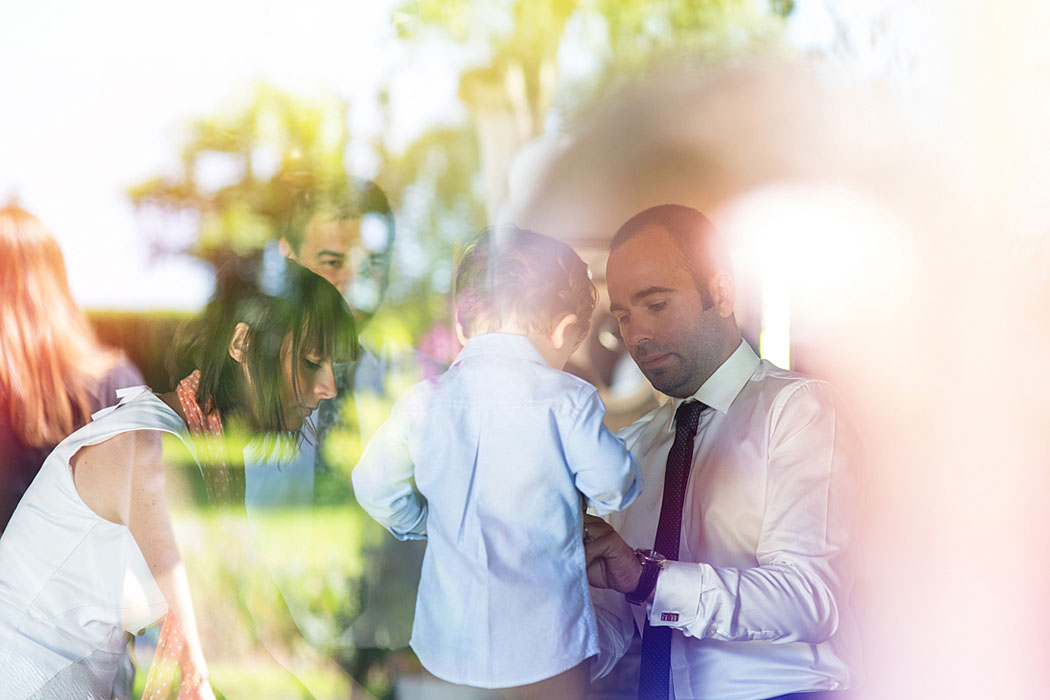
647,581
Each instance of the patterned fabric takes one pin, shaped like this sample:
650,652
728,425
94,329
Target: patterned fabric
207,428
654,682
167,660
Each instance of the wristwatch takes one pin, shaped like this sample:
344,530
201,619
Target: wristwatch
652,564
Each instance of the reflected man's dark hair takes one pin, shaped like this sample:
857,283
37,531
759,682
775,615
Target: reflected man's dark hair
346,199
341,199
509,272
694,235
307,309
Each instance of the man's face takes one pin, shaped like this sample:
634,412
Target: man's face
674,341
327,246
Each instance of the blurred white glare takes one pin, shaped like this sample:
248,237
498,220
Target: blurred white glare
821,253
364,293
214,170
774,338
583,45
374,234
527,167
608,340
265,162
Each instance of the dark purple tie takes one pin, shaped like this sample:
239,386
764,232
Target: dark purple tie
655,679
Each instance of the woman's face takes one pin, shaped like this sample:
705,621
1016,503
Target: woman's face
316,380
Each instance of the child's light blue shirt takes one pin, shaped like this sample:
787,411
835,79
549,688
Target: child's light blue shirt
488,461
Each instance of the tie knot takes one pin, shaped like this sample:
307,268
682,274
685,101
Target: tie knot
688,415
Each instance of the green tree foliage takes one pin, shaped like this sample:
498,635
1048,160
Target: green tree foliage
638,36
515,84
434,187
238,172
526,35
523,38
639,31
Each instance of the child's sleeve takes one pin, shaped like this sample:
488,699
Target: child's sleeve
604,469
383,479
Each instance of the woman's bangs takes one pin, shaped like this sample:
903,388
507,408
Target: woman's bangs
330,335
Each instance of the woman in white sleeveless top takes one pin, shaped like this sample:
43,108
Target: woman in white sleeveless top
90,551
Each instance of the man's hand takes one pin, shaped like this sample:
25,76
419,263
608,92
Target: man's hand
610,562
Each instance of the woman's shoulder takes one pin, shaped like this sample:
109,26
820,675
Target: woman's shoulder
121,375
142,446
134,431
137,410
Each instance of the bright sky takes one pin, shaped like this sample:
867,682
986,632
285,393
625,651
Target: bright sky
95,95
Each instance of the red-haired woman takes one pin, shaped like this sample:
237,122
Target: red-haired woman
53,372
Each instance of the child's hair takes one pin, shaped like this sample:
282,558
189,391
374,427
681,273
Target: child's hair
509,273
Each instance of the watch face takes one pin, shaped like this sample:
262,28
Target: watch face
650,555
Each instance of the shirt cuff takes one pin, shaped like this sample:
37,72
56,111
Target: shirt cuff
676,602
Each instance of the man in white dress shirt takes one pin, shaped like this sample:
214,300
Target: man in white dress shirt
747,595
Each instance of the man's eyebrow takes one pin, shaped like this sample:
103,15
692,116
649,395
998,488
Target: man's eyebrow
639,295
648,291
331,253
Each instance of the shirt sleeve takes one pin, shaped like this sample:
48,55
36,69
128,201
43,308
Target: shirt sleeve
604,469
615,629
383,479
794,593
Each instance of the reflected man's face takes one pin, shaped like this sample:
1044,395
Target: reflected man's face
327,246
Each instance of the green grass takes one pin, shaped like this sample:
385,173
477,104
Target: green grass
330,564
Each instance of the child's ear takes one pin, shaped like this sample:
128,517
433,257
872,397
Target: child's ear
460,335
560,333
239,342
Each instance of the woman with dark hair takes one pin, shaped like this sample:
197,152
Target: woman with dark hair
53,371
96,516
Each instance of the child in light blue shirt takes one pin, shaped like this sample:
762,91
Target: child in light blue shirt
492,462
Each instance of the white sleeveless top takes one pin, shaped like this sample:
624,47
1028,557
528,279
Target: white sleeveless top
72,582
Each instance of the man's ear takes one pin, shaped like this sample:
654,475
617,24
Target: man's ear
286,248
723,293
560,332
239,342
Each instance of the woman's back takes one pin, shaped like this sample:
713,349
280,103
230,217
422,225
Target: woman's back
19,462
71,582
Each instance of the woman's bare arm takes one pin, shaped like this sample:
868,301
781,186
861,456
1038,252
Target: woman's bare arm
124,480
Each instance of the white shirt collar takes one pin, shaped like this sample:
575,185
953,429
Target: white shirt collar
723,386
